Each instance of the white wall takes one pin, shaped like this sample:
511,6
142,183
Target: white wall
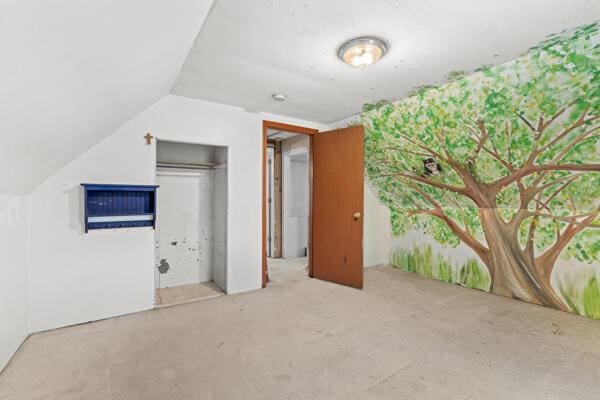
71,72
13,273
77,277
377,230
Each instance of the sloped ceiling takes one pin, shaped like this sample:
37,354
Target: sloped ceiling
249,50
73,71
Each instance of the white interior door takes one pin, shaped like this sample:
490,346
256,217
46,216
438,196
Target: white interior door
184,228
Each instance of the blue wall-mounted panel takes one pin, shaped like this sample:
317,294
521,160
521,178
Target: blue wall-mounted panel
119,206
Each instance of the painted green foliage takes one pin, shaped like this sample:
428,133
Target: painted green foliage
518,146
423,261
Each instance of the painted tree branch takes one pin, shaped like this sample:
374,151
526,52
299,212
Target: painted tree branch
529,124
539,132
569,179
549,257
564,152
463,173
426,196
438,212
572,219
535,152
432,152
578,123
406,151
529,246
523,172
494,153
569,147
462,190
480,141
464,236
508,133
527,194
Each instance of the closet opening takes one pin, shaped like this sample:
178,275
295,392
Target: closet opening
191,222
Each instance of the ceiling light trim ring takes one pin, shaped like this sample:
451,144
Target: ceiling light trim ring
375,41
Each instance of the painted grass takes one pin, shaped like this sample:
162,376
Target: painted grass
423,261
582,293
473,275
591,299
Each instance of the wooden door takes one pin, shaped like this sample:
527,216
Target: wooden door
337,208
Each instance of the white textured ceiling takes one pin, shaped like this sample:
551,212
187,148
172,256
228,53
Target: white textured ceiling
72,71
248,50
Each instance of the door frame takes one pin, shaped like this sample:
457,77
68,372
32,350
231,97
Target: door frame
293,129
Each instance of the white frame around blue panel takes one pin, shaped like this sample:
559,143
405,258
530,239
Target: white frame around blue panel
120,215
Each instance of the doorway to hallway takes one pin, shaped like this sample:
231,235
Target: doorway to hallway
288,183
323,222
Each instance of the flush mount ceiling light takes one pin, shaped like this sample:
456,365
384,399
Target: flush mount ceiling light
363,51
279,97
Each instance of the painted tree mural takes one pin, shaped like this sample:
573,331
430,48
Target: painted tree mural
518,151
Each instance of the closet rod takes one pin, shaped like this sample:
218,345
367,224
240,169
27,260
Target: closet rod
170,164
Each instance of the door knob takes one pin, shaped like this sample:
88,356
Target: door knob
356,216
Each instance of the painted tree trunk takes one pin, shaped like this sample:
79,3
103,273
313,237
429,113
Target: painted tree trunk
513,273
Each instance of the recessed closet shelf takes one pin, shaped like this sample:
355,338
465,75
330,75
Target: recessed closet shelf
109,206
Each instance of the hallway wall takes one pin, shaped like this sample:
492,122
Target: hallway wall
295,190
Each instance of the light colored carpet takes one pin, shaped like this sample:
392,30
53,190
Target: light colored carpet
402,337
283,270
